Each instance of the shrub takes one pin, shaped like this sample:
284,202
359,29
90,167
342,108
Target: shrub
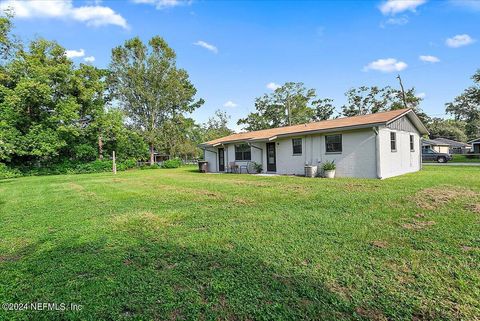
6,172
172,163
329,166
257,167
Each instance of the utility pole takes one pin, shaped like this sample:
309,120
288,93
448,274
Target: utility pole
403,91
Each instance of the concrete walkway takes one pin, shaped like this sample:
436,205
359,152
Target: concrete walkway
452,164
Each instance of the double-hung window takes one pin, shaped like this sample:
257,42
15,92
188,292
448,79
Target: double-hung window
412,143
333,143
243,152
393,141
297,146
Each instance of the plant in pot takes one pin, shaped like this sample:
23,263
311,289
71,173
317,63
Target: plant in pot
257,167
329,169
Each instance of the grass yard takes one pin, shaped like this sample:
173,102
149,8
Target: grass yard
180,245
457,158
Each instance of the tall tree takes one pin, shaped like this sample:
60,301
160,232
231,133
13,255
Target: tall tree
216,126
289,104
448,128
466,107
149,87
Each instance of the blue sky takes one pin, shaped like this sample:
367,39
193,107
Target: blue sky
235,51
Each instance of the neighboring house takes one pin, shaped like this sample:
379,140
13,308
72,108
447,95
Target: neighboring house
439,147
455,147
475,145
378,145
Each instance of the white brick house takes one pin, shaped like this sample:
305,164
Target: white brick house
379,145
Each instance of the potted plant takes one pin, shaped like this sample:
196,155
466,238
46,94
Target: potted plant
258,167
329,169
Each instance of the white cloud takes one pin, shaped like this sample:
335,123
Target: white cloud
393,7
75,53
421,95
230,104
163,4
431,59
386,65
273,86
206,45
89,59
459,41
91,15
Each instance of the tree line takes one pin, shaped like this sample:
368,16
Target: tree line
53,111
293,103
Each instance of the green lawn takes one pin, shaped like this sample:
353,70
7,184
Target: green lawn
457,158
180,245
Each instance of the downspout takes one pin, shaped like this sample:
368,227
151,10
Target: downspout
377,152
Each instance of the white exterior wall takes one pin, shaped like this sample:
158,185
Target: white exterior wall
394,163
357,159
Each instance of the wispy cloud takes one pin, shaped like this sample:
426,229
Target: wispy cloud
459,41
89,59
429,58
74,53
164,4
272,86
206,45
386,65
91,15
421,95
230,104
392,7
400,21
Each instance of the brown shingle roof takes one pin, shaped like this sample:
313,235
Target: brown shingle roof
355,121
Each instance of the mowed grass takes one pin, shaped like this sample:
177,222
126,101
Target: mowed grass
180,245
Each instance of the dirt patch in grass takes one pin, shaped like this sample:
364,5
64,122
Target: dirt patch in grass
380,244
473,208
436,197
371,314
9,258
343,292
418,225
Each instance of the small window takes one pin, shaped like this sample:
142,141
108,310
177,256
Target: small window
393,141
412,143
243,152
297,146
333,143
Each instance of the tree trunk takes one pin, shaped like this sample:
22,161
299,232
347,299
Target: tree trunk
152,155
100,146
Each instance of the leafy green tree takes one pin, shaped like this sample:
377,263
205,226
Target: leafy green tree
466,107
216,126
370,100
289,104
149,87
448,128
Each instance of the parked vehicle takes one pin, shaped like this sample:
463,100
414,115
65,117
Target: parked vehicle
429,154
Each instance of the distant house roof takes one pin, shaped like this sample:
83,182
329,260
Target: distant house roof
433,142
345,123
476,140
451,142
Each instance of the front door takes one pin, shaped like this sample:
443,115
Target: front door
271,158
221,160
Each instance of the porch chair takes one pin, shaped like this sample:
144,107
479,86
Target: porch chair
233,167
